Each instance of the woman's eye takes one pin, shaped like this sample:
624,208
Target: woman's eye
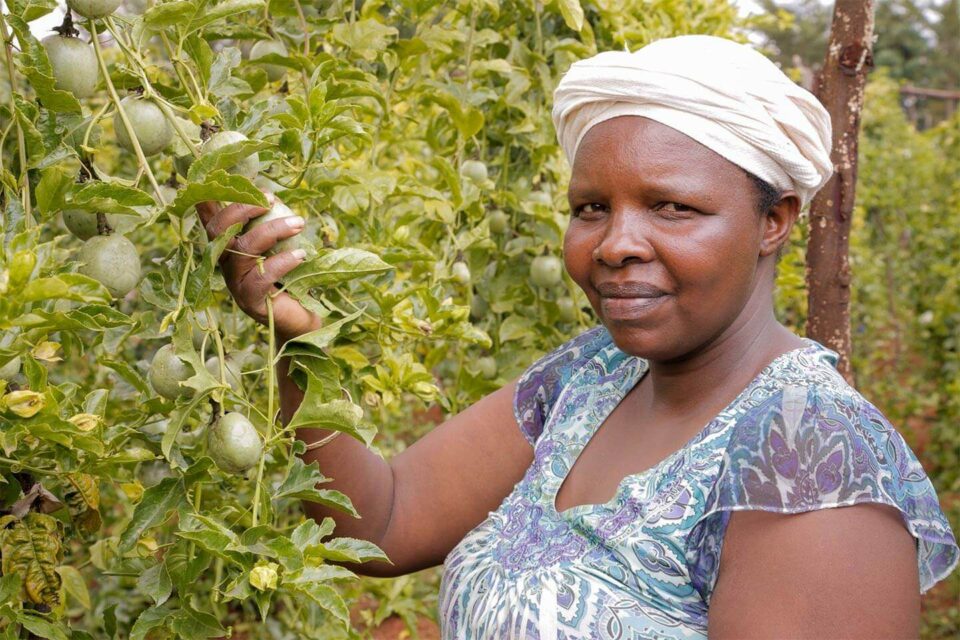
586,209
674,207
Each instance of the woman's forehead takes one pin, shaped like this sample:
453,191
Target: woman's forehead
634,146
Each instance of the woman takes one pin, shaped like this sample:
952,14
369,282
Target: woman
590,497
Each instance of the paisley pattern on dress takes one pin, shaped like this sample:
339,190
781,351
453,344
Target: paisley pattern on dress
643,565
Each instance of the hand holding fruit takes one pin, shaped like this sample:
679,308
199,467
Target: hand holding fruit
249,282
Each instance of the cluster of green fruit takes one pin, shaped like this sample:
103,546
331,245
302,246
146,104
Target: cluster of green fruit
141,126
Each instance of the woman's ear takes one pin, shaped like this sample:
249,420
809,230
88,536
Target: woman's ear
777,223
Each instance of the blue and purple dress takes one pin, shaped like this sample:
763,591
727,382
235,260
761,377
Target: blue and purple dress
643,565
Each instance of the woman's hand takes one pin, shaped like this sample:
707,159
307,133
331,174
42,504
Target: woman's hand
250,283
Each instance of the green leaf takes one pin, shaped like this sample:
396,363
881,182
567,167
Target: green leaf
107,197
301,484
336,415
75,585
190,624
221,10
153,509
41,627
321,338
66,286
347,550
333,267
30,10
155,582
218,186
148,620
572,13
327,598
169,14
365,37
224,157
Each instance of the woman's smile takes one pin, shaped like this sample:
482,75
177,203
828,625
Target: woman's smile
630,309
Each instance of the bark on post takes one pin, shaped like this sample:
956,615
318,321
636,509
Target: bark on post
840,87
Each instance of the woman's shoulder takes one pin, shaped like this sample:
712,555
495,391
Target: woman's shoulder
814,441
542,381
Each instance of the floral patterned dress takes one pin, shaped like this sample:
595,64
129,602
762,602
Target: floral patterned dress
643,565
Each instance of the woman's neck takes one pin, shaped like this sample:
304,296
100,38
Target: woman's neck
724,366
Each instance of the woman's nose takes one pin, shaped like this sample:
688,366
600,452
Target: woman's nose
623,240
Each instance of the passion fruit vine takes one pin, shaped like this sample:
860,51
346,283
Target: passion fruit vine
83,224
546,271
262,48
249,167
94,8
233,443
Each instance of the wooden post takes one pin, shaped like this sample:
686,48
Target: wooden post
840,87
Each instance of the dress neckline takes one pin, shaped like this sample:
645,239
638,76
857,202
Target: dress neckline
627,371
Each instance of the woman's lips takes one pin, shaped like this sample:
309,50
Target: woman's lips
629,308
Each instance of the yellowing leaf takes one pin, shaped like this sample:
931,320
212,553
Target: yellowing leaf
47,351
31,548
572,13
24,403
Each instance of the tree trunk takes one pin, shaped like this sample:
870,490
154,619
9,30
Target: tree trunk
840,88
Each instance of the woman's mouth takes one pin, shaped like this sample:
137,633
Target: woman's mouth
629,308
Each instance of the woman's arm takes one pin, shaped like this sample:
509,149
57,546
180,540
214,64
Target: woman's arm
420,504
848,572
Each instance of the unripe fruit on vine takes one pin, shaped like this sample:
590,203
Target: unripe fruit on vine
234,444
567,309
460,272
499,221
487,367
94,8
83,224
474,170
74,64
10,369
541,198
200,329
276,212
262,48
249,167
112,261
232,371
478,308
546,271
167,371
151,127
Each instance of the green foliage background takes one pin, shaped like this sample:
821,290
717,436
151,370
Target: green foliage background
381,105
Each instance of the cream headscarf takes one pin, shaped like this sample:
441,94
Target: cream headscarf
722,94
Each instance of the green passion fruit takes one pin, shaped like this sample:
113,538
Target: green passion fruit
567,309
487,367
112,261
234,444
474,171
74,64
499,221
277,212
167,371
83,224
94,8
546,271
151,127
460,272
249,167
212,365
262,48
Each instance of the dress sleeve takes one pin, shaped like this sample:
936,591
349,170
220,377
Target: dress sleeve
542,382
808,448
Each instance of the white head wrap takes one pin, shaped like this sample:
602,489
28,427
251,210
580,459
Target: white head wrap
722,94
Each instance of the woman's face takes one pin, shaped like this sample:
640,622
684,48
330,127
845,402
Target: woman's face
664,237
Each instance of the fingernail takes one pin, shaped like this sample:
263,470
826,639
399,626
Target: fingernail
271,198
295,222
299,254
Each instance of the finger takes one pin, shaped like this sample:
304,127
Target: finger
273,269
231,215
264,237
206,211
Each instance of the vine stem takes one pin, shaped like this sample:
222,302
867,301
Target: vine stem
142,159
271,382
21,141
